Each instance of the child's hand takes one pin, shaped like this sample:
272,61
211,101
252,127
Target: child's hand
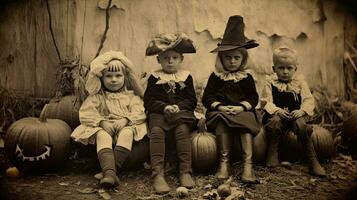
225,109
107,126
176,108
283,114
234,110
120,123
169,109
295,114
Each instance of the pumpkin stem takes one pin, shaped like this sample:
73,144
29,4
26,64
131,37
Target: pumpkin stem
201,124
43,117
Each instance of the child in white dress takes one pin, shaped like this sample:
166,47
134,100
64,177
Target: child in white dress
112,114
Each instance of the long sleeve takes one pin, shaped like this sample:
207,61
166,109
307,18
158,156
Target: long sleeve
267,99
136,111
190,101
151,102
307,100
89,114
251,99
209,97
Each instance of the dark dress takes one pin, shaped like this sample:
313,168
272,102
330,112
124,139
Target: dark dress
231,93
158,96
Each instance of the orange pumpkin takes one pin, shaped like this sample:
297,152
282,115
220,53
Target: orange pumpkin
323,142
204,149
38,143
66,108
291,149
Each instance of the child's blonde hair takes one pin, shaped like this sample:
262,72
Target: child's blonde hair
112,60
130,80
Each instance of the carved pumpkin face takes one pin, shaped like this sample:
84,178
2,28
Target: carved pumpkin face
32,143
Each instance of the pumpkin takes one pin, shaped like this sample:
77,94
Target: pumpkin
259,147
323,142
349,134
140,153
38,143
290,147
66,108
204,148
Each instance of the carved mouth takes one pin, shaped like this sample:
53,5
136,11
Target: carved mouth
46,154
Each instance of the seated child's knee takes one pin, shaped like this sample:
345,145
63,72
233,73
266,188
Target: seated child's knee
127,132
103,135
303,130
274,125
156,132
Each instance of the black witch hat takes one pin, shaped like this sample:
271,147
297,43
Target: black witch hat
233,37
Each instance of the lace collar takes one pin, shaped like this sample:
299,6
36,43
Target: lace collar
230,76
293,86
235,76
163,78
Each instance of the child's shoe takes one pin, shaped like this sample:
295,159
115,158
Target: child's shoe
107,163
160,184
314,165
109,180
187,181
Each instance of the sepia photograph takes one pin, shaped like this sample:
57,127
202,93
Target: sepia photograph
178,99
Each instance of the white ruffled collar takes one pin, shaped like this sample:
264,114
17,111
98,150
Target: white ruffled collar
232,76
293,86
163,78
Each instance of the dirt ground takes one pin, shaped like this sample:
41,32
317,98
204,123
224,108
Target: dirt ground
289,181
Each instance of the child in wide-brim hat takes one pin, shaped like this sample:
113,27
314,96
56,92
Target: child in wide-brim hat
287,101
231,97
170,100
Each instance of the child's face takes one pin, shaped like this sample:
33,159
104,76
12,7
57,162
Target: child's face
285,72
231,60
113,81
170,61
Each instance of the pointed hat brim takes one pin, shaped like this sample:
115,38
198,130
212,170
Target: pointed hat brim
248,45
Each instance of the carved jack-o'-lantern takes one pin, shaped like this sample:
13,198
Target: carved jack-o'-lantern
38,143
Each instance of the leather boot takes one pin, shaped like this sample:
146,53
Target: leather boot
183,147
187,181
247,149
160,184
272,157
107,163
224,145
314,165
157,157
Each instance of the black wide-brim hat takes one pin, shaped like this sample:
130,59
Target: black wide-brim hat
234,37
163,42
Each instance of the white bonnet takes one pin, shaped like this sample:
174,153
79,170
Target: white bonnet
93,83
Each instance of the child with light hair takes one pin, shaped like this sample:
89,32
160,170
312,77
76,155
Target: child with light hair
113,114
287,101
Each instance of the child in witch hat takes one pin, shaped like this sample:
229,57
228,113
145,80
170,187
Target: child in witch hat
170,100
287,100
231,97
113,114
